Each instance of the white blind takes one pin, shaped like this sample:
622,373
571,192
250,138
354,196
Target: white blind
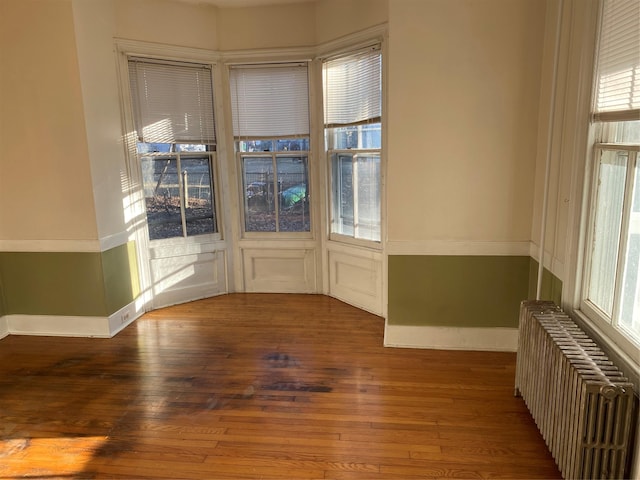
353,89
270,101
172,102
618,68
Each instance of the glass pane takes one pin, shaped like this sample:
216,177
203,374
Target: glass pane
292,145
193,147
259,195
255,146
342,194
198,191
367,136
293,190
620,132
162,197
368,197
630,299
154,147
606,234
629,132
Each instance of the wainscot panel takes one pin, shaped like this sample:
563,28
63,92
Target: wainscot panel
457,290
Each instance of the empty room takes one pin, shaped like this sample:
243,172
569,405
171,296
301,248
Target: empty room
319,239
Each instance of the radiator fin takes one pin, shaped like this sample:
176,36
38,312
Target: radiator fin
582,404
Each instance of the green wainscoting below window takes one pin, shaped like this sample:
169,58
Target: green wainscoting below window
121,279
551,285
3,308
461,291
68,283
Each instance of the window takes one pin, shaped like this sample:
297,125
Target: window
270,108
175,126
353,135
612,278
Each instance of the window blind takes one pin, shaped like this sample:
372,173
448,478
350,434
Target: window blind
270,101
353,89
172,102
618,65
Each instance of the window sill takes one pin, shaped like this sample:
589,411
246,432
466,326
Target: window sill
346,240
620,350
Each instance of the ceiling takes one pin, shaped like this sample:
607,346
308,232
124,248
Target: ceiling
246,3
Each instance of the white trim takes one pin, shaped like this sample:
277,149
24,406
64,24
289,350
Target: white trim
71,246
165,51
4,327
457,247
114,240
275,55
50,246
59,326
353,41
348,43
495,339
551,262
72,326
119,320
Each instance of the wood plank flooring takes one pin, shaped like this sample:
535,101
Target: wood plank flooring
260,386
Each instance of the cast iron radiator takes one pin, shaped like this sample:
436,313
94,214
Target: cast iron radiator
580,401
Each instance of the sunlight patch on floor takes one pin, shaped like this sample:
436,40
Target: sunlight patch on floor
47,456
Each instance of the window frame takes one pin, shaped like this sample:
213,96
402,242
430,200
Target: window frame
334,201
588,308
330,150
210,148
214,179
238,137
274,154
599,140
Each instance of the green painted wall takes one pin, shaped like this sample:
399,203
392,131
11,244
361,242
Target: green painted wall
68,283
121,279
3,308
551,285
457,291
464,291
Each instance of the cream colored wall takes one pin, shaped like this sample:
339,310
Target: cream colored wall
337,18
94,22
462,118
166,21
45,178
266,27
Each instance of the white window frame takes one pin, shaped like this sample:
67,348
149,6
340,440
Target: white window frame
216,235
134,207
608,325
273,155
335,200
599,141
210,152
330,151
238,131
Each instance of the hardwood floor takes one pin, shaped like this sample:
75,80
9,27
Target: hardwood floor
260,386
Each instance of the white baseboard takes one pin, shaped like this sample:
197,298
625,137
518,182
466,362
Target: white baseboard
58,326
119,320
70,326
4,327
498,339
